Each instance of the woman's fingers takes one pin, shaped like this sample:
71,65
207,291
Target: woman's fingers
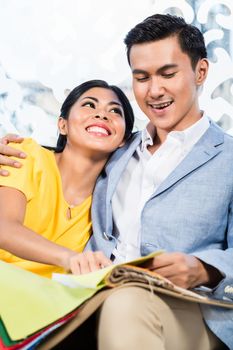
88,262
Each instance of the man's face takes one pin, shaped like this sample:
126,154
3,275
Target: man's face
165,84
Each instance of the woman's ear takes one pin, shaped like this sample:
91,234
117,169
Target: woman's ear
62,126
201,71
121,144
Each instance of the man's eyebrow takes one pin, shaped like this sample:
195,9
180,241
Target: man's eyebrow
160,70
139,71
166,67
96,100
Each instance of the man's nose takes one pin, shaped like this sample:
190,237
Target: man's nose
156,88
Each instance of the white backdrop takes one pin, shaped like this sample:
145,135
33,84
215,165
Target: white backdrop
49,46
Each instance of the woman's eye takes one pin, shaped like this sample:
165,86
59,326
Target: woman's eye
116,110
88,104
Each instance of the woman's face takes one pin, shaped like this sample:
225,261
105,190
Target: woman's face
96,122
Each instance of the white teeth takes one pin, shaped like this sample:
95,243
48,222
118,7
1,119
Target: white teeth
161,105
97,129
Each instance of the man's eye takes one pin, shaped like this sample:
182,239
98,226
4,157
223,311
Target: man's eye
168,75
116,110
141,79
88,104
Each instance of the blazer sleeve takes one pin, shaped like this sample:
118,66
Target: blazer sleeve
222,260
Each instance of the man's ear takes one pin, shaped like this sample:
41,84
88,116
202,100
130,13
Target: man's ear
62,126
201,71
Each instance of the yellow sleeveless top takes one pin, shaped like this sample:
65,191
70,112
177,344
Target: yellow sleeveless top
46,211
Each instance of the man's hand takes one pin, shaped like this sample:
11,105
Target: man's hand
6,151
85,262
184,270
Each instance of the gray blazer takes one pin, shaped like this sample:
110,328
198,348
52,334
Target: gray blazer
190,212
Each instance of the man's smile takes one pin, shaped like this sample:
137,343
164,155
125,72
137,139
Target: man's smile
160,105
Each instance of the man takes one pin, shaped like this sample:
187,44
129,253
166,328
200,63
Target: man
169,188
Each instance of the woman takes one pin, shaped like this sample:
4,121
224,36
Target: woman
45,206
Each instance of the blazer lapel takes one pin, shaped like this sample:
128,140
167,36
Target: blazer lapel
204,150
114,169
118,163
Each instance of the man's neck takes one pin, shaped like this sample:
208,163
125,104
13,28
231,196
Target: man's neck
160,135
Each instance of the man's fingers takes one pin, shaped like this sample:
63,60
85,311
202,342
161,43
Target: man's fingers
157,262
10,162
5,152
167,271
167,259
10,151
4,172
11,138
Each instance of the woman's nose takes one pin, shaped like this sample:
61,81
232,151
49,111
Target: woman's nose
100,116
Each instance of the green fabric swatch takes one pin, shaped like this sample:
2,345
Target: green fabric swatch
29,302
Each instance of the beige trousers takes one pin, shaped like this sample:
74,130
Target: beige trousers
133,318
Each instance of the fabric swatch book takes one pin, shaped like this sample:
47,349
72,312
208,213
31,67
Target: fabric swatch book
31,305
32,341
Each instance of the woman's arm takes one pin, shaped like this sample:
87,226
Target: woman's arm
27,244
6,151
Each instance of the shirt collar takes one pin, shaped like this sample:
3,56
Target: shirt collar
148,135
188,137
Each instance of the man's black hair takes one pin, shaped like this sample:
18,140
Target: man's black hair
159,27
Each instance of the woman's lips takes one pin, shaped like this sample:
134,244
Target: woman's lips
101,130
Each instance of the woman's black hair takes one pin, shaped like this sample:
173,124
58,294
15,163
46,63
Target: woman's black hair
77,92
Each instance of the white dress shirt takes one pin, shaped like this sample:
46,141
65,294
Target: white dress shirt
143,175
